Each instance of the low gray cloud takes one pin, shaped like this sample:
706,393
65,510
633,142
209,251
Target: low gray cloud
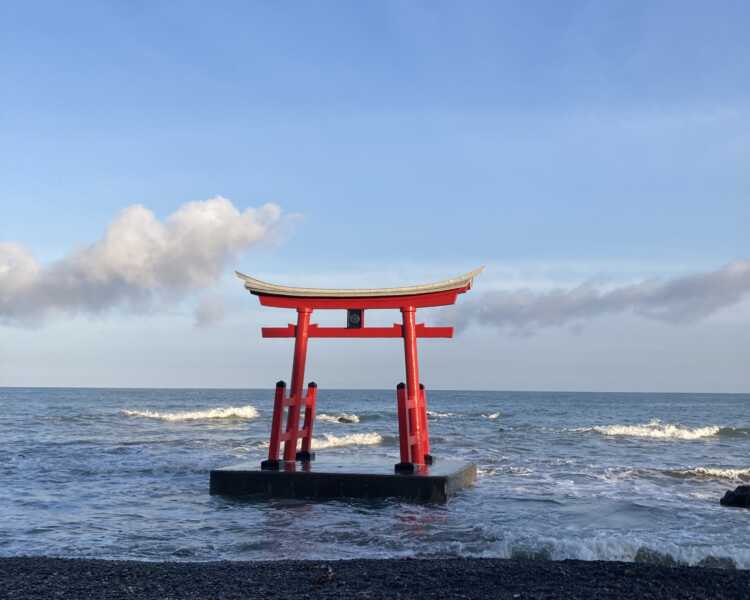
209,311
678,300
140,262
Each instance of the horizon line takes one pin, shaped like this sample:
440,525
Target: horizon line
363,389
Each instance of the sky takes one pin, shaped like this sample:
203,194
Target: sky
593,155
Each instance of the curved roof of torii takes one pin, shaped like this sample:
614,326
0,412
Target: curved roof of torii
256,286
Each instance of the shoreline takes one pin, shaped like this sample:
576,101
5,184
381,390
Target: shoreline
467,578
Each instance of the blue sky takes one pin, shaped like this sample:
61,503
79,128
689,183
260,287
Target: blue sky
557,143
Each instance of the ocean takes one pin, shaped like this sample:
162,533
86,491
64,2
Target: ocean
123,474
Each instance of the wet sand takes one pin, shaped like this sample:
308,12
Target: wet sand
53,578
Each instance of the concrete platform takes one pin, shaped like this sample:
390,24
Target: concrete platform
326,478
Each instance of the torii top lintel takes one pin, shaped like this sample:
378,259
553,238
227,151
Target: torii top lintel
441,293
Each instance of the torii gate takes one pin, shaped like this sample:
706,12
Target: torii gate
414,441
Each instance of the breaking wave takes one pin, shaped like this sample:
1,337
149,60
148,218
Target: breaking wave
355,439
230,412
605,546
657,430
492,416
335,441
342,418
438,415
711,473
628,549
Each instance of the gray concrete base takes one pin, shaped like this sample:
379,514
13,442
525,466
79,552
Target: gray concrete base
329,478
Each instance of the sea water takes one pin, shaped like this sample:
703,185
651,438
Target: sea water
123,473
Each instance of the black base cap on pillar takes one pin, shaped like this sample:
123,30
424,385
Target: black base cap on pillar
270,465
411,467
404,468
304,456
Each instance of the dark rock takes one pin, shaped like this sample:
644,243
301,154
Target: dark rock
524,553
652,557
739,497
717,562
325,575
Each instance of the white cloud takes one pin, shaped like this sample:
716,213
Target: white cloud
678,300
138,261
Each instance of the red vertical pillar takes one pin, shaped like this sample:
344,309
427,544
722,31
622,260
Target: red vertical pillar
403,425
298,376
274,443
425,425
307,427
412,384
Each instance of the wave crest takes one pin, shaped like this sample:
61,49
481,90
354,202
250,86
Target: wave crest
439,415
630,548
355,439
342,418
712,473
230,412
657,430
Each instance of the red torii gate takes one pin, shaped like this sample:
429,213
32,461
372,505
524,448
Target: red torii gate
414,442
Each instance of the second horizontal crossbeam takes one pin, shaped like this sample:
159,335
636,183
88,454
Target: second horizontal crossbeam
395,331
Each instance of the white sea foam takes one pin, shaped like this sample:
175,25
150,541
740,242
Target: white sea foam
354,439
503,470
492,417
713,473
655,429
342,418
229,412
336,441
438,415
629,548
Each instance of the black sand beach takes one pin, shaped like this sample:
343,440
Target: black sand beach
47,578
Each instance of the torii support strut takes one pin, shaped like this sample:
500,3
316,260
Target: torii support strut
414,443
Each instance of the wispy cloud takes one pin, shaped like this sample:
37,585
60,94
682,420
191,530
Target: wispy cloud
677,300
140,260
